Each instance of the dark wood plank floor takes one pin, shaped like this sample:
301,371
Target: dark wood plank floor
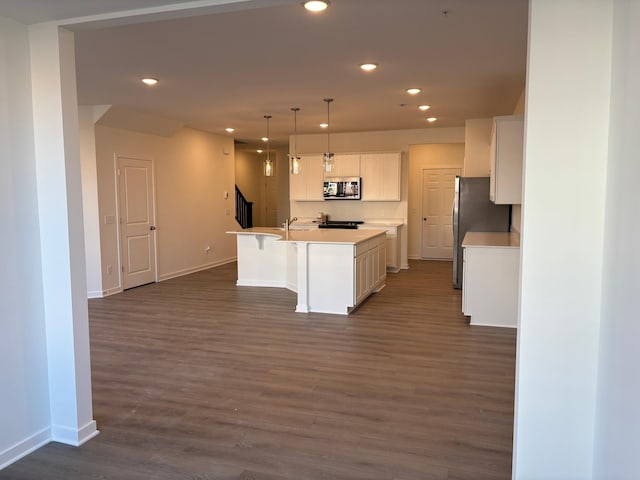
195,378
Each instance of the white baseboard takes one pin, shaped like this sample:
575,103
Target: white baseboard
111,291
25,447
95,294
187,271
74,436
262,283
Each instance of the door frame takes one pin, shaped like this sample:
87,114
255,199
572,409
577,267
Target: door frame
422,212
116,176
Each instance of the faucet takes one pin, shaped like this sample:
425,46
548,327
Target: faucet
287,223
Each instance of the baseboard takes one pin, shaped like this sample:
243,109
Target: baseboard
74,436
95,294
111,291
262,283
25,447
187,271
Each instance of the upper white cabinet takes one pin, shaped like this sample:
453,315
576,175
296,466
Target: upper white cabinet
380,174
345,165
307,185
506,160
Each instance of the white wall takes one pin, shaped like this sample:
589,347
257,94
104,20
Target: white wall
420,157
90,200
477,143
24,395
566,143
618,416
249,176
192,173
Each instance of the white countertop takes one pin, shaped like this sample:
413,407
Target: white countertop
491,239
319,235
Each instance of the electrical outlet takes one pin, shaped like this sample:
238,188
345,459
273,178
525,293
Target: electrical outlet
207,249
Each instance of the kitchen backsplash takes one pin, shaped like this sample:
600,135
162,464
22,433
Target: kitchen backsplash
350,210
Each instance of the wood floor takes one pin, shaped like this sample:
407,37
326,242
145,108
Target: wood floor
195,378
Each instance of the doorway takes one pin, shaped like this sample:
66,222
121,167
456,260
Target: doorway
136,212
438,187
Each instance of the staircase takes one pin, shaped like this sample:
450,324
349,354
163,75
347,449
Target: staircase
244,210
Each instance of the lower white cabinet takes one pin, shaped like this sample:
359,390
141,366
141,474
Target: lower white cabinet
370,267
393,244
490,280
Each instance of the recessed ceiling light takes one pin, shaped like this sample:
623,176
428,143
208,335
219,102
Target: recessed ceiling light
424,108
431,119
259,151
324,125
413,91
149,81
265,139
316,5
230,130
369,67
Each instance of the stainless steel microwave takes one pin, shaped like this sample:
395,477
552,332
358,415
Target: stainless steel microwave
342,188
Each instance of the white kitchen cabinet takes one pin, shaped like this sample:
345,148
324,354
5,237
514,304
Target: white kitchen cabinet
307,185
369,267
345,165
380,174
506,160
490,278
393,243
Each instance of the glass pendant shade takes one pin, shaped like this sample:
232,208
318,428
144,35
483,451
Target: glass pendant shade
328,156
268,164
296,165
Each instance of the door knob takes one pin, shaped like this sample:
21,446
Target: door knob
152,227
424,219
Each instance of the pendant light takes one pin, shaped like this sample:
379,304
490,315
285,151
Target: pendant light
295,159
328,156
268,164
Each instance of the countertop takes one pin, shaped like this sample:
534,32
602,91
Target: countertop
491,239
316,235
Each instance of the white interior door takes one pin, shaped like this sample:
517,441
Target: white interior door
438,188
137,221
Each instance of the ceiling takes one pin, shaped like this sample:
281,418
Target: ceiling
229,69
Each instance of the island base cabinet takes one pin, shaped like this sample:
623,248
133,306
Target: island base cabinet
325,275
490,285
370,267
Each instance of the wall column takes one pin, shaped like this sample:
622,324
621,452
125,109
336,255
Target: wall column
563,213
56,138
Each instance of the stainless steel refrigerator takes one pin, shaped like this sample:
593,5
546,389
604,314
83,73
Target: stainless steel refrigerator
474,212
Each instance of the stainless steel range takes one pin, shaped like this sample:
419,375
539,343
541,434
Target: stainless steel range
347,224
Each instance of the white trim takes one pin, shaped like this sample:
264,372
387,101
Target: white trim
95,294
187,271
25,447
262,283
112,291
74,436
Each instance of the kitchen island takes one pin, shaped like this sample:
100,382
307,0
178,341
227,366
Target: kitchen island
332,271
